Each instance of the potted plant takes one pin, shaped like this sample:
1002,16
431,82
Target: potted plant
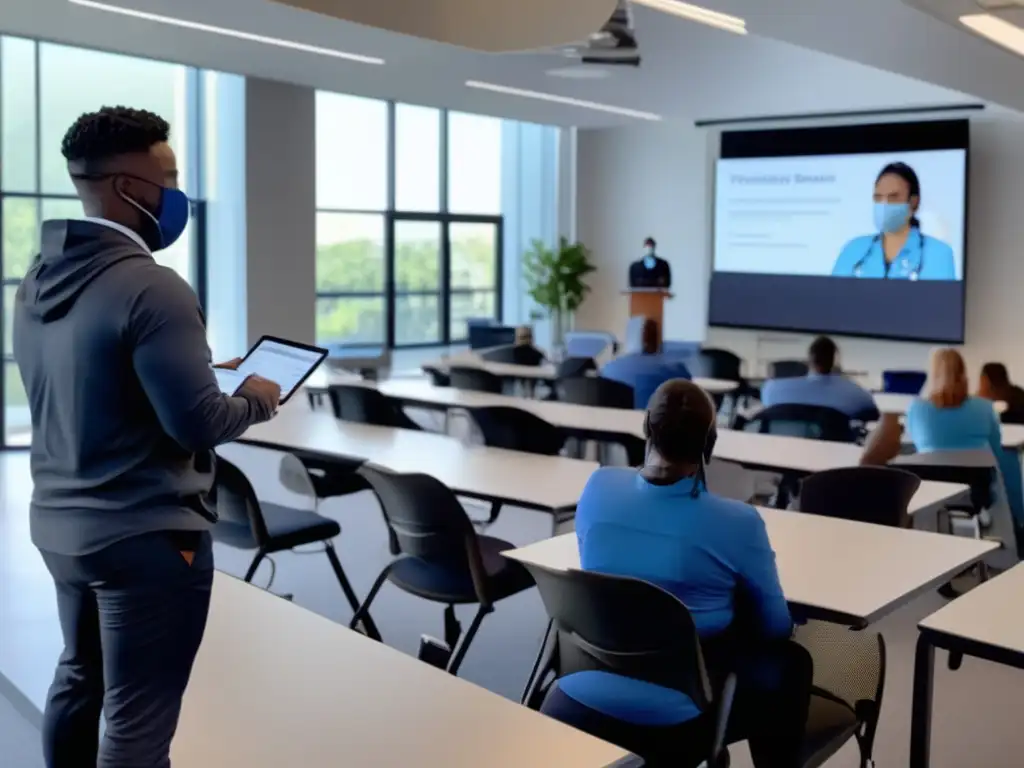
554,280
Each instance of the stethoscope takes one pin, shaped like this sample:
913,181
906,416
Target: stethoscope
911,273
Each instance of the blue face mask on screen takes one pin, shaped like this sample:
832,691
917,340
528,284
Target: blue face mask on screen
891,217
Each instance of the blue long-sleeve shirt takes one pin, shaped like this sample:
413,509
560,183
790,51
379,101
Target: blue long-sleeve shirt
644,373
703,550
828,391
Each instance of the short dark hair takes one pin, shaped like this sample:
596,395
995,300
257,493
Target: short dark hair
996,374
113,131
680,418
650,241
909,175
822,354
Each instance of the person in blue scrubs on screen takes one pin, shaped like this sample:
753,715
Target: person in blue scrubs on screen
899,250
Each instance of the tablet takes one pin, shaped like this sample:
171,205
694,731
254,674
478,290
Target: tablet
288,363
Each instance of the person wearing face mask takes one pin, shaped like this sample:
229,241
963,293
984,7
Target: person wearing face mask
126,412
651,271
899,249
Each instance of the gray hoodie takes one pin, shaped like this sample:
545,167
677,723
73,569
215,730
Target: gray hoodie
125,407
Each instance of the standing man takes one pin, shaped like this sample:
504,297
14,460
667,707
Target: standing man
651,271
125,414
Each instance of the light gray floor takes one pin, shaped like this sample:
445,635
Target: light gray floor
977,711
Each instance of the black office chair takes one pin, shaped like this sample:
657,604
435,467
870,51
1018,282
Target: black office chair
440,557
514,354
518,430
626,627
475,380
787,369
846,693
575,366
879,495
437,378
597,391
244,522
980,476
365,405
713,363
808,421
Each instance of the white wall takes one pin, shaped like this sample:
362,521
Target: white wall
657,179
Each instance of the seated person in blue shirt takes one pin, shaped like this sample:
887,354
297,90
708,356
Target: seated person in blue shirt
646,370
824,386
952,420
662,525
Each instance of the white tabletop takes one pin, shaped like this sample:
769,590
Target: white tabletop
277,685
987,614
835,568
541,482
546,372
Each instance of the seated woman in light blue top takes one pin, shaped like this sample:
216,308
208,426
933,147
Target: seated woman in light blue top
647,370
662,525
899,250
951,420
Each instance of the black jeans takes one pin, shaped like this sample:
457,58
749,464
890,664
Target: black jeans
132,616
770,711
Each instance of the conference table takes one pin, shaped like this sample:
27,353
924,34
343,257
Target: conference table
546,372
550,484
831,569
277,685
984,623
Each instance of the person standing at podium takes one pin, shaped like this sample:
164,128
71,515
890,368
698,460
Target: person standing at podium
647,370
651,271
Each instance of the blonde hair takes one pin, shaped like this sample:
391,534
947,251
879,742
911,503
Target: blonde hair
948,380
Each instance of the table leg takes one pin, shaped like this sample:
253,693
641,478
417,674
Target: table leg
921,714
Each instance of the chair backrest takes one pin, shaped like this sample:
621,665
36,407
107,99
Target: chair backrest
787,369
437,378
518,430
903,382
426,521
879,495
514,354
475,379
597,391
575,366
712,363
589,343
811,421
624,626
977,474
365,405
237,505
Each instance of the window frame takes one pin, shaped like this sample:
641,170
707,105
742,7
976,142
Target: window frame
194,140
445,219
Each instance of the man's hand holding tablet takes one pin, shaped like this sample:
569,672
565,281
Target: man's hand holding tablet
282,363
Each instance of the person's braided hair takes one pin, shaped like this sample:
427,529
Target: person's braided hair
679,417
113,131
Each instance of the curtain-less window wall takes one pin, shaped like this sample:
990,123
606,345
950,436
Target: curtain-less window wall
412,207
44,87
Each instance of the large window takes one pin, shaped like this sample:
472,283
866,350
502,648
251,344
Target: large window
43,88
409,222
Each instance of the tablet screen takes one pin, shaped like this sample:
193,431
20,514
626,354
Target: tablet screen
228,380
281,361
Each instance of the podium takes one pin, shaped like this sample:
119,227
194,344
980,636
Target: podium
649,303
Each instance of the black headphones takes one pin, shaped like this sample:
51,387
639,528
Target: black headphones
710,438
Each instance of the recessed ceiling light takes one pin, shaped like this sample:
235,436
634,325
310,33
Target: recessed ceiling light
235,33
595,105
696,13
997,30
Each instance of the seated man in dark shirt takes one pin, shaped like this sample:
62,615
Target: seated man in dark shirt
995,385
